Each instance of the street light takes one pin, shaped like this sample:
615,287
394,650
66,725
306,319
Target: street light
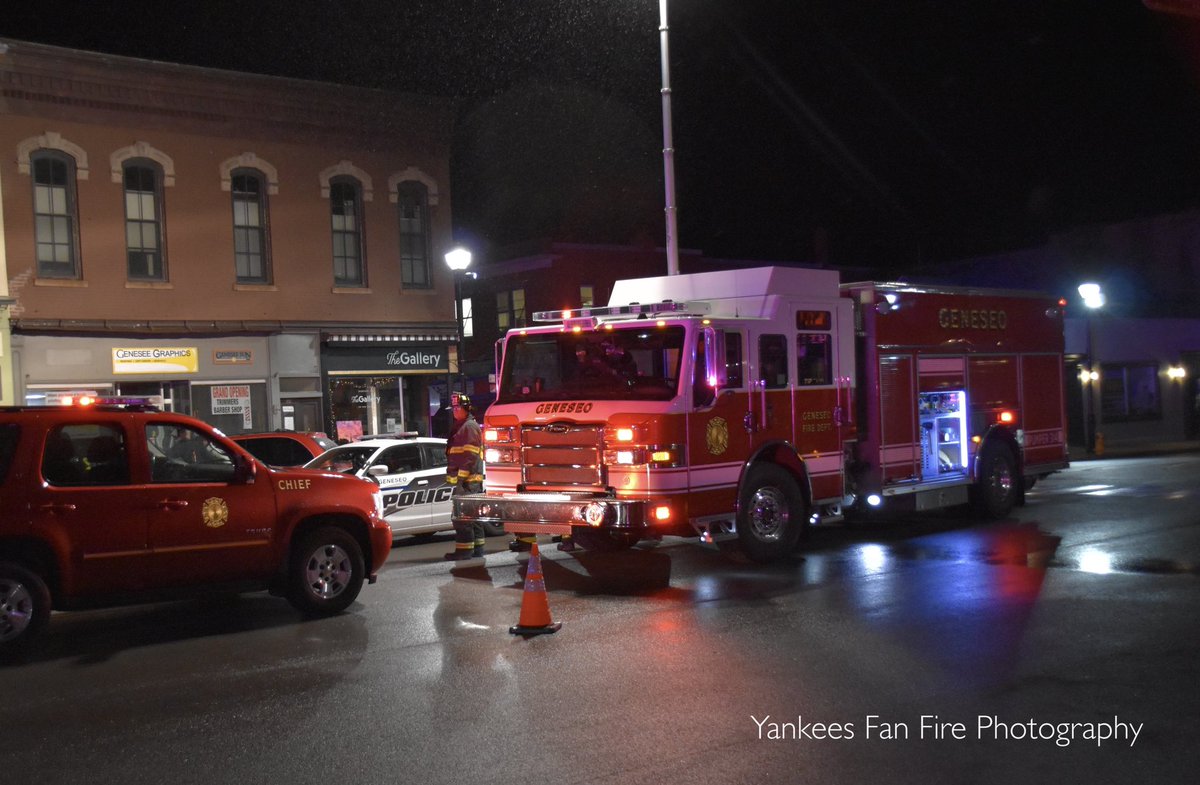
1093,299
458,260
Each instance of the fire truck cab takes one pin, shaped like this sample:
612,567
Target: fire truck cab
751,404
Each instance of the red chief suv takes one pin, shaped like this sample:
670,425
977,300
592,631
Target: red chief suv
107,504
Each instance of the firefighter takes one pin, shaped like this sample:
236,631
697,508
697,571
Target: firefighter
464,471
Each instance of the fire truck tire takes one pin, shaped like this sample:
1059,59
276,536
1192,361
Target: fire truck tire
24,606
771,514
326,572
997,491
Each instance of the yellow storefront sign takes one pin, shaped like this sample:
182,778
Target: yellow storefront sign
156,359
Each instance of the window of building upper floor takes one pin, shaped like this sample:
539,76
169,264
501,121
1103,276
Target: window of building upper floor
55,216
412,206
587,296
468,318
251,237
345,207
510,309
144,220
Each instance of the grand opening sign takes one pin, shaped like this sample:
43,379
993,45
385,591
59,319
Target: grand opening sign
156,359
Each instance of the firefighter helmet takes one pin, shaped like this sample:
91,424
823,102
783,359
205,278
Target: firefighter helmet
460,399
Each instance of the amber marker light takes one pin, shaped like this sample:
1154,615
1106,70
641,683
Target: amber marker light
662,513
661,456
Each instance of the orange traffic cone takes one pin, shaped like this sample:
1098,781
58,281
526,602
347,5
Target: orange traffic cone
535,605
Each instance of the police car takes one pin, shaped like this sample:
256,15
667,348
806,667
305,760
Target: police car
411,472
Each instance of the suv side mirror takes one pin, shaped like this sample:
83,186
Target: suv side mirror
377,469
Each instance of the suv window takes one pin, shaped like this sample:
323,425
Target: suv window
85,454
9,432
182,454
277,450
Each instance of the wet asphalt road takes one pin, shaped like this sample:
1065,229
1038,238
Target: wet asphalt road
674,664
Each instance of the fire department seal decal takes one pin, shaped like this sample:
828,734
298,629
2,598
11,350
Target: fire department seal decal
215,513
717,435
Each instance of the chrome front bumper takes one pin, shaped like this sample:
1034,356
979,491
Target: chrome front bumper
549,513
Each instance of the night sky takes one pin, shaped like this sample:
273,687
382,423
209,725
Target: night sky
894,134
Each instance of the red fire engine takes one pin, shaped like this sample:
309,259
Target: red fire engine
754,403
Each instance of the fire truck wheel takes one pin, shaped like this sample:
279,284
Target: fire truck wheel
326,572
996,492
771,514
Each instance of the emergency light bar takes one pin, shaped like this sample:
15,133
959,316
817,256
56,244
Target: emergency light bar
644,310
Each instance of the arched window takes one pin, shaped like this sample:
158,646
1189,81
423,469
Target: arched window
250,238
54,214
412,204
345,205
144,220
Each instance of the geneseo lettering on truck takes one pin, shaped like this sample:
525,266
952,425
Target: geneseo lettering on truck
754,404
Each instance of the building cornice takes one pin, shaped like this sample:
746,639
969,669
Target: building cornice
69,84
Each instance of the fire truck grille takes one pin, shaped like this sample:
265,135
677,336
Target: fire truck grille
562,456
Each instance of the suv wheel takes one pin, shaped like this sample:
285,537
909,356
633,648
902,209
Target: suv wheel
24,605
326,571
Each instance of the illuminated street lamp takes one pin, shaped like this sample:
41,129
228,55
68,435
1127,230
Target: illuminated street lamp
1093,299
458,260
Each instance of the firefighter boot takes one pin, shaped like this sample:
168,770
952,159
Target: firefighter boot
462,551
477,553
523,542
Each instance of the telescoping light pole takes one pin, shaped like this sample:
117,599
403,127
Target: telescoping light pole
668,145
458,260
1093,300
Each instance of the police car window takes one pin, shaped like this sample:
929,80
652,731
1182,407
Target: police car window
179,453
434,455
86,454
401,459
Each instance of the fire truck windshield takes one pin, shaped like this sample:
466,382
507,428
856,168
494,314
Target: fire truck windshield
638,362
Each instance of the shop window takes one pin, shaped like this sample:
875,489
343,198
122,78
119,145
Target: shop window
412,204
144,221
54,214
345,200
1129,392
250,226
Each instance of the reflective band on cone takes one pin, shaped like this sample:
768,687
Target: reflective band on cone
535,605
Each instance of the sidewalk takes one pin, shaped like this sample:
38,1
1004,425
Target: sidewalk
1138,450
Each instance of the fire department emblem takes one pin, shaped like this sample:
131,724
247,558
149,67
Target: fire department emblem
717,435
214,512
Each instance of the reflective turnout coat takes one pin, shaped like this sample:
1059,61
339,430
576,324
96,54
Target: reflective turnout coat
464,457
